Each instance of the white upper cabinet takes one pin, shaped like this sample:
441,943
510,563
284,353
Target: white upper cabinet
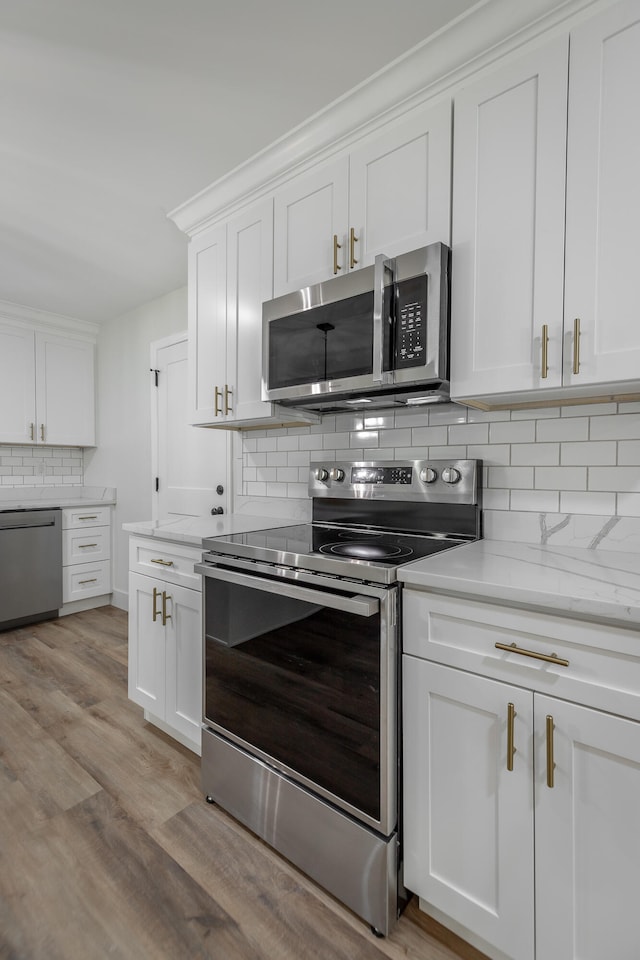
508,226
603,198
391,194
46,388
207,274
545,307
230,275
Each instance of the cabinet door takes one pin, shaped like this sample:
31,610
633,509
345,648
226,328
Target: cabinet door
250,281
183,704
308,213
146,645
65,391
400,185
603,197
508,225
207,325
587,835
468,820
17,385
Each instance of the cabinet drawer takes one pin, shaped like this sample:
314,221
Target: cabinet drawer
603,668
83,546
86,580
73,517
172,562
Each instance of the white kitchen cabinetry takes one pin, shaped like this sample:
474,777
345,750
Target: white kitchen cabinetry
390,194
574,781
86,556
46,388
230,275
525,330
508,225
165,637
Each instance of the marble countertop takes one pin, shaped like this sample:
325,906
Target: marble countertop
195,529
16,498
598,584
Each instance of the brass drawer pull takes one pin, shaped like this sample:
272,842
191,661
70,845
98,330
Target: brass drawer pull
83,546
550,761
165,563
165,616
336,246
544,372
94,516
156,612
92,580
576,345
547,657
352,242
511,715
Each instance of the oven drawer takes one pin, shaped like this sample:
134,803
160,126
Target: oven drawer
590,663
172,562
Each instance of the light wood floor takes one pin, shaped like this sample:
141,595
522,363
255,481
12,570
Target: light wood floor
107,847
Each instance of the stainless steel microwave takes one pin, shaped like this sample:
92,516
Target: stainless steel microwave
377,337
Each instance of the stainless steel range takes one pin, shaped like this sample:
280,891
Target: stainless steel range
302,636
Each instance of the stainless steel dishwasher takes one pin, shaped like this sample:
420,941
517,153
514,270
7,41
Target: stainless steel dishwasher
30,565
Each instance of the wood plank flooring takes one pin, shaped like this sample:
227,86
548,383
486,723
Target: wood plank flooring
107,847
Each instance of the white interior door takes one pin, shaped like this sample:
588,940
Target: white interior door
190,463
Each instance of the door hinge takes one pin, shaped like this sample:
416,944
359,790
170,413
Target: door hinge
155,372
157,484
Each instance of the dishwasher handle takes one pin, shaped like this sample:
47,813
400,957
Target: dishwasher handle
21,519
360,605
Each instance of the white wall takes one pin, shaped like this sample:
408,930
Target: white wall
122,458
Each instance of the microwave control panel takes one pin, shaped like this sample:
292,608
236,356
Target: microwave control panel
411,322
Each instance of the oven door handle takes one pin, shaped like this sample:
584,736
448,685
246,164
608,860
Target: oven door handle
360,605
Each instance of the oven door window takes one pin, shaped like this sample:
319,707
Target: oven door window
299,682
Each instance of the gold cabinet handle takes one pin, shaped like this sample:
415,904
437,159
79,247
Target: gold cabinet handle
228,392
217,396
550,761
92,580
94,516
32,431
352,253
42,431
576,345
165,563
165,616
84,546
156,612
511,715
544,372
547,657
336,246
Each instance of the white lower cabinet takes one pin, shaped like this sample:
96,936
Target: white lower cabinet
86,556
165,651
513,797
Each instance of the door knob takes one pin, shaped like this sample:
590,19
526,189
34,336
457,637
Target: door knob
216,510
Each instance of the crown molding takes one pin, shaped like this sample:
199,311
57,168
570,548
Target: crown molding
490,30
44,321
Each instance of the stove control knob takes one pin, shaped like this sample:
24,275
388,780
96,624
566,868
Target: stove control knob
337,474
428,475
450,475
322,474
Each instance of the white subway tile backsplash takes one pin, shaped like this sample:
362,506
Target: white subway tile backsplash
589,453
535,454
544,468
561,478
569,429
36,466
523,431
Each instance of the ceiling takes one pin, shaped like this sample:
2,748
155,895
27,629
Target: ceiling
112,113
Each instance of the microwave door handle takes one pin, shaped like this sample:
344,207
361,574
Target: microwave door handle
381,265
360,605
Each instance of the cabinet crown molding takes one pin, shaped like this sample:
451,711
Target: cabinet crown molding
490,30
45,321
